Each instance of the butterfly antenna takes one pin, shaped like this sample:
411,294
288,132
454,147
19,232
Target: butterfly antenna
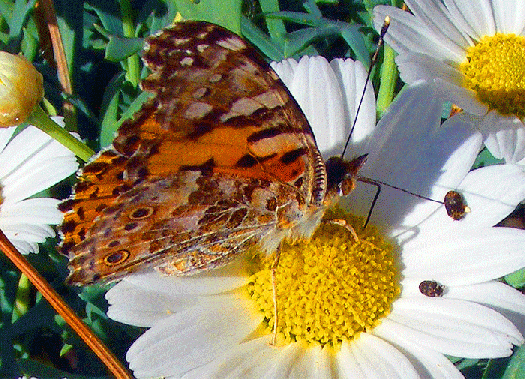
384,28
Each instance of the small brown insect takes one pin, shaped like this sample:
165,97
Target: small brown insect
455,205
431,288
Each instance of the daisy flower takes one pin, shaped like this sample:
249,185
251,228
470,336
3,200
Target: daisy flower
473,55
30,162
352,308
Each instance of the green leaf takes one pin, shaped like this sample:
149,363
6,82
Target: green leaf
19,15
156,14
516,279
485,158
275,26
36,369
516,367
261,40
299,40
107,12
226,13
312,8
355,39
110,109
299,18
135,106
119,48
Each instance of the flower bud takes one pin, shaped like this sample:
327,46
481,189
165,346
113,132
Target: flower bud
21,88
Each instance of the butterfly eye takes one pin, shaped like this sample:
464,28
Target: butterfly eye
116,257
348,184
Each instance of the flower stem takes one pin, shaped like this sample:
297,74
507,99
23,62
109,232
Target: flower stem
388,81
41,120
22,297
133,69
94,343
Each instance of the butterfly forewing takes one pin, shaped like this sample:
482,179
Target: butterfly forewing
221,158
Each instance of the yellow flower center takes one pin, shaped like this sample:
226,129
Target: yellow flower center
331,288
495,70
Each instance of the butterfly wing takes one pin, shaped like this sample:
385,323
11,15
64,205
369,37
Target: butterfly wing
221,158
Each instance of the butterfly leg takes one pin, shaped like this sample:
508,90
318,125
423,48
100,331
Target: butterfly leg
274,293
342,223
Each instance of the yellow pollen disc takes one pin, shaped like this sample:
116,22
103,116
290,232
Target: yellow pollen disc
495,70
331,288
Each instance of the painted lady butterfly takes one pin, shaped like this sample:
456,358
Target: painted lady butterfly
220,159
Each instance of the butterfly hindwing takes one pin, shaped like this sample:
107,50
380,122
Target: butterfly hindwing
219,159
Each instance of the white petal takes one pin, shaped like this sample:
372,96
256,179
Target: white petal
31,211
374,358
250,359
476,21
349,367
505,136
24,247
417,66
456,327
428,362
32,162
317,363
137,306
329,95
492,193
408,33
509,16
215,281
317,91
412,151
465,258
285,69
5,136
461,96
27,232
441,23
257,359
352,77
495,294
191,338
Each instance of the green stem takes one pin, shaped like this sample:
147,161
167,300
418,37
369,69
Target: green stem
133,71
41,120
388,81
22,297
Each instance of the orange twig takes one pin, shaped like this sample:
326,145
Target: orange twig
50,18
94,343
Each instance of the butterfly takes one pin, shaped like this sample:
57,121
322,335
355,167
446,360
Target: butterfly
220,159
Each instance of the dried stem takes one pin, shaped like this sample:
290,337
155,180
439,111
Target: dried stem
94,343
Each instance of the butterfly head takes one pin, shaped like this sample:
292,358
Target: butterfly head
342,175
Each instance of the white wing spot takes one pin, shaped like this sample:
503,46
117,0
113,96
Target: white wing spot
197,110
202,35
215,78
232,43
188,61
200,93
269,99
247,106
180,41
201,48
242,107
